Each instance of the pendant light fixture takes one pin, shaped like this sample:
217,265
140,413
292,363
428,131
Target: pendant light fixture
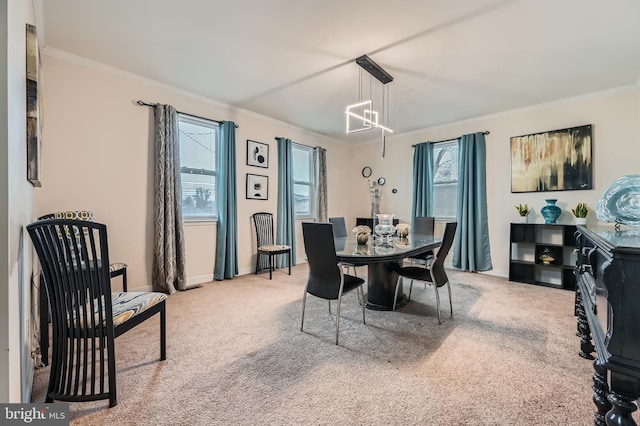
362,116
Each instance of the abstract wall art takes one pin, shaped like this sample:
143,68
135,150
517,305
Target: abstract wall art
557,160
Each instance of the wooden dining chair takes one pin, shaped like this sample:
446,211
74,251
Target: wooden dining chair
86,316
116,269
326,279
435,274
267,250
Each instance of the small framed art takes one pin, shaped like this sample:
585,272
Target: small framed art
257,187
257,154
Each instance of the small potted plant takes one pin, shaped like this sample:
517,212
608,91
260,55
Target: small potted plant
523,211
580,212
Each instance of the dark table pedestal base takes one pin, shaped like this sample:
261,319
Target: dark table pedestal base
402,300
381,286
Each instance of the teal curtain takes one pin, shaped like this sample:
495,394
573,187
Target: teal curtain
285,227
422,204
227,234
471,251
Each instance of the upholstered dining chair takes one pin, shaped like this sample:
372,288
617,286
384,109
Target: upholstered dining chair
423,225
267,250
340,231
86,316
116,269
435,274
326,279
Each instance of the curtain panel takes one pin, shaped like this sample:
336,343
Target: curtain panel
168,269
285,225
422,200
226,262
320,166
471,250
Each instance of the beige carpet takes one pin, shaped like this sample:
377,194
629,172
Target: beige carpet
236,356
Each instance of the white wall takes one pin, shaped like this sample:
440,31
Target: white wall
16,200
615,117
98,155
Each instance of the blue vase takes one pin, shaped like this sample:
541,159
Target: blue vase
550,212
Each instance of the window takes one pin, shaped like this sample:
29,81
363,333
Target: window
303,181
198,140
445,179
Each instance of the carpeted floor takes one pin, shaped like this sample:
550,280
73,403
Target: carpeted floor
236,356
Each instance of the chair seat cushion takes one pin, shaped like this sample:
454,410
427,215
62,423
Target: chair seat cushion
128,304
116,266
415,273
351,282
124,305
273,248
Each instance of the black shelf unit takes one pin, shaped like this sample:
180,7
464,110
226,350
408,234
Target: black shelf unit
528,241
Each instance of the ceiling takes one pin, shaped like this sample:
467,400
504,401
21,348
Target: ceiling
294,60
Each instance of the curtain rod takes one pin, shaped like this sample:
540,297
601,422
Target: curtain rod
294,143
486,132
140,102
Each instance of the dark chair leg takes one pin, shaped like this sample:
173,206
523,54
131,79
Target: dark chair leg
257,262
270,265
124,279
163,332
44,324
289,262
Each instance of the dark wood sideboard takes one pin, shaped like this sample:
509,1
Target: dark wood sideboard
608,310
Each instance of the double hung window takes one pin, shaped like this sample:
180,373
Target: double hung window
198,139
303,182
445,179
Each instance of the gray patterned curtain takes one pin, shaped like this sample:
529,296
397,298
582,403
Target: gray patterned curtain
320,165
168,270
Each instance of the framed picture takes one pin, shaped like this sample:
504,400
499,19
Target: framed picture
257,154
257,187
557,160
33,107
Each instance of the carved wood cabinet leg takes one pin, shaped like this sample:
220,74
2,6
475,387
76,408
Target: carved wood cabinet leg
601,390
578,301
620,414
584,332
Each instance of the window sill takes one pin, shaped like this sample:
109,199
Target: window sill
199,222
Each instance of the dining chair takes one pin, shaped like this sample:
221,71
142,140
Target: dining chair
86,316
435,274
326,278
340,231
116,269
423,225
267,250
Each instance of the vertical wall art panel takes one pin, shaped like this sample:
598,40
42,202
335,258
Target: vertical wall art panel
558,160
33,107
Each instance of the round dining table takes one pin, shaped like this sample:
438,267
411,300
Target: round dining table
383,260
